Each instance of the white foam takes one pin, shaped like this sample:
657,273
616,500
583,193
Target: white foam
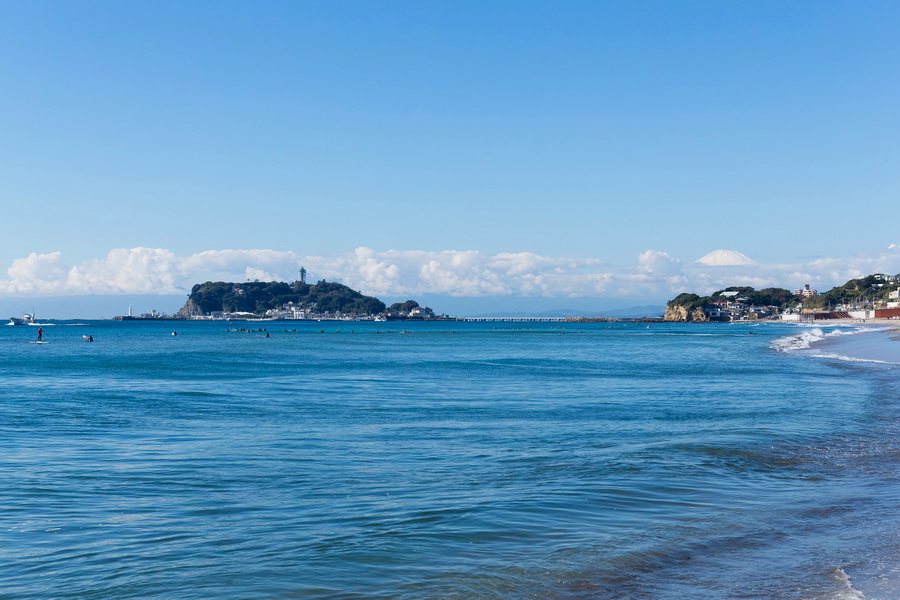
805,340
836,356
799,341
845,590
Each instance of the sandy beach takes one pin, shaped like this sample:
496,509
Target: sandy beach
876,342
827,322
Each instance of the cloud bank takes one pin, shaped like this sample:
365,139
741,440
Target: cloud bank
468,273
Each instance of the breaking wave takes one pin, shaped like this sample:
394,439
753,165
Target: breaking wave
845,589
805,339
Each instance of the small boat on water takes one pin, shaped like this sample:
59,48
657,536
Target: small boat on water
26,320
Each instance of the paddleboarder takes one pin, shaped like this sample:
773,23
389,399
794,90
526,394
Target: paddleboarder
40,333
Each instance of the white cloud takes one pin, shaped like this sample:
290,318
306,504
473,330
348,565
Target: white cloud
654,275
661,263
45,271
127,270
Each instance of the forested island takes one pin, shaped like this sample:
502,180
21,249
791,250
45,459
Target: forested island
743,302
259,297
281,300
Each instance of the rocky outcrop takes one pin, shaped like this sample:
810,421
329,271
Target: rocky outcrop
684,314
190,309
686,308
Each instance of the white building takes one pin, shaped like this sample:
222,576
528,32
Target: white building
806,292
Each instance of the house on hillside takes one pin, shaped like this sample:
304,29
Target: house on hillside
806,292
421,312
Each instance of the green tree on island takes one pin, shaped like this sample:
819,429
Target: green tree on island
404,307
257,297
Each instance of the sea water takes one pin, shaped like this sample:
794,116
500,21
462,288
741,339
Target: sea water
446,460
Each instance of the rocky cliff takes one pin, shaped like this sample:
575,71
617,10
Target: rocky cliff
683,313
190,309
686,307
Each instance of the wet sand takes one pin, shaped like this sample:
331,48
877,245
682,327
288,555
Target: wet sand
827,322
880,344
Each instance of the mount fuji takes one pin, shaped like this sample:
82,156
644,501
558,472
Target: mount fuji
725,258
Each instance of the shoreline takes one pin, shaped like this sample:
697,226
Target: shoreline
877,343
825,322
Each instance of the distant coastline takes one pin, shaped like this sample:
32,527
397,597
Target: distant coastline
863,299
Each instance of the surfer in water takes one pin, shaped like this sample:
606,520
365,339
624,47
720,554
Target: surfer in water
40,333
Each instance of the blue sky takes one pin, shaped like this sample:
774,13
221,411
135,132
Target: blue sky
590,131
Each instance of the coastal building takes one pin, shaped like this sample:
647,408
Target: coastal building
421,312
237,315
293,312
716,312
893,299
806,292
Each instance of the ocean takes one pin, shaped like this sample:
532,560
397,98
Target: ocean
449,460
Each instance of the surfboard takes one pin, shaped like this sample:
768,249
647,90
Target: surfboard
38,342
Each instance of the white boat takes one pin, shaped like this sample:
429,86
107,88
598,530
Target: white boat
26,320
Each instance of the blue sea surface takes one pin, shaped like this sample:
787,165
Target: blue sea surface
445,460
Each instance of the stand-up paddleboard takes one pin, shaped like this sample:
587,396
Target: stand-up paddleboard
38,342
